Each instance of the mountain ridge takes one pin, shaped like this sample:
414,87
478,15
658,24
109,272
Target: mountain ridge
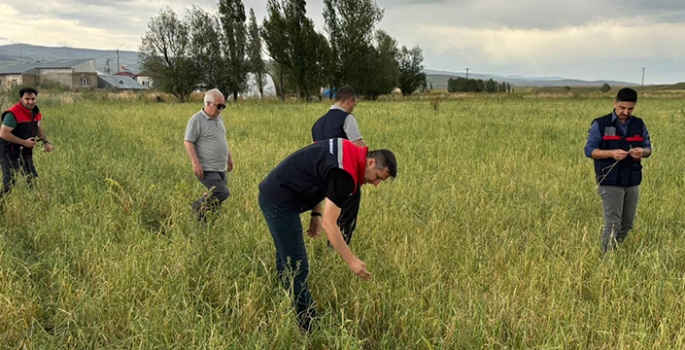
440,77
24,53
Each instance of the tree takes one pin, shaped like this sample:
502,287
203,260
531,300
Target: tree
254,53
605,88
305,43
490,86
411,75
232,14
301,53
350,25
205,48
322,61
385,66
452,85
165,54
274,35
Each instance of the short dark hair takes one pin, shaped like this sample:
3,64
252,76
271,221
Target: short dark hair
384,159
27,90
345,93
626,95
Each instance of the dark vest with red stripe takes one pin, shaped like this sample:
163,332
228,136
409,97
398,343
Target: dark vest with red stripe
27,124
330,126
299,182
627,172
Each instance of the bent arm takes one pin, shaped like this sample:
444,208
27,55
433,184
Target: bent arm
352,130
41,133
646,144
6,134
602,154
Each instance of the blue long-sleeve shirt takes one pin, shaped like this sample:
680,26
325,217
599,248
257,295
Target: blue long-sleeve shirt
594,137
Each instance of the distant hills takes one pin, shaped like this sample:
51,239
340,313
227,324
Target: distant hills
440,78
24,53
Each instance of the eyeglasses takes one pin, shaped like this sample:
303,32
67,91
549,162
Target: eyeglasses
219,106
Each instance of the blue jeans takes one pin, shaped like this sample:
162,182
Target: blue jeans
291,256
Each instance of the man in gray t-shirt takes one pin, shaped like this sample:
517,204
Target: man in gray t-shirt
206,145
339,122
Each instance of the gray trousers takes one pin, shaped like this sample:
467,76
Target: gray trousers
620,206
215,181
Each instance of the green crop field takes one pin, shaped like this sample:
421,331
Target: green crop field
487,239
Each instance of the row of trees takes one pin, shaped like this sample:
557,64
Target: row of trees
204,50
476,85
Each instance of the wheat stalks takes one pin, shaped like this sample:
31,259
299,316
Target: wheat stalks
604,175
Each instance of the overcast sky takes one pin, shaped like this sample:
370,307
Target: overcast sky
583,39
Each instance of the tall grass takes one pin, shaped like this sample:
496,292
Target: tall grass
488,238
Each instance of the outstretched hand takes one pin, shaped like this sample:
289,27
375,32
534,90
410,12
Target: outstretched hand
359,268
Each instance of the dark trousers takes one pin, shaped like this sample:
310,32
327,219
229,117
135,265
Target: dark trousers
347,221
292,264
14,162
215,181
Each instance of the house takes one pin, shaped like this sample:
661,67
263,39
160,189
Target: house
126,72
143,78
118,82
71,74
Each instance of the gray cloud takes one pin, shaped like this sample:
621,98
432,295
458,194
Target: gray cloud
654,5
526,14
413,2
525,36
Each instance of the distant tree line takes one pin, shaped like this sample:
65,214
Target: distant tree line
476,85
204,50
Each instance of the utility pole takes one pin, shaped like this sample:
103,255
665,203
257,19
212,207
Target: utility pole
467,73
643,76
118,66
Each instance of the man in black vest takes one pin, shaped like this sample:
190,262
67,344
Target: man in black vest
20,131
340,122
618,142
329,170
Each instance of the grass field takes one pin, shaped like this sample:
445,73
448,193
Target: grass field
487,239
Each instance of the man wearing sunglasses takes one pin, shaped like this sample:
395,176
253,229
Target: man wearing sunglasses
206,145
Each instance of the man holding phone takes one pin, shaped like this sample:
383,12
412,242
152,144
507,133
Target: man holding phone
20,131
